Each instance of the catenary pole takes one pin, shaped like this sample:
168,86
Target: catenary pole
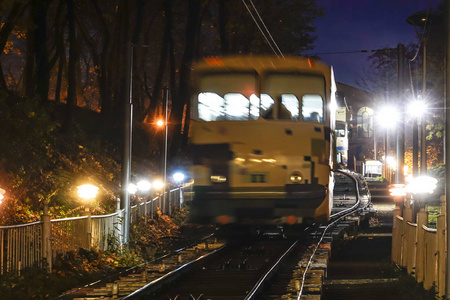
127,138
447,148
400,134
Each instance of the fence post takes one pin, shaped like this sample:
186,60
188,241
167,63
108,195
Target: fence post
88,232
422,219
441,253
47,235
396,237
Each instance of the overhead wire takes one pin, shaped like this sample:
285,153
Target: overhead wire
267,30
261,30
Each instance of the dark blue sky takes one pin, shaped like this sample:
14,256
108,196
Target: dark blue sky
351,25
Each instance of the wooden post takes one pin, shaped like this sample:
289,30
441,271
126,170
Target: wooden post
422,219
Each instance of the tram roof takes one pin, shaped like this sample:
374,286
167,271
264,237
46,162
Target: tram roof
260,63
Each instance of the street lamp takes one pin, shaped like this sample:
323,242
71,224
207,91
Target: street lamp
87,192
161,123
178,177
144,186
422,19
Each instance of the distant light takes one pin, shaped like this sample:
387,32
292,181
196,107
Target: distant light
87,191
144,185
422,185
160,123
158,184
132,188
178,177
387,117
417,108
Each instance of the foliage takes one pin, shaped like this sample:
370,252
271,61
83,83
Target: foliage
154,236
39,164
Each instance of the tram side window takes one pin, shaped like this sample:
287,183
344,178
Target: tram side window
312,108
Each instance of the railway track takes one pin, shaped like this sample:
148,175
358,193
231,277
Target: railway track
262,267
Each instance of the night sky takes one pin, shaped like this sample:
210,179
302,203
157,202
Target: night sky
352,25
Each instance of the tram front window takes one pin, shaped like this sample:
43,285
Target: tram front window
225,97
232,106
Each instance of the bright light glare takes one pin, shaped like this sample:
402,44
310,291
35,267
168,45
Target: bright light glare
178,177
144,185
417,108
132,188
87,191
160,123
422,185
158,184
387,117
397,190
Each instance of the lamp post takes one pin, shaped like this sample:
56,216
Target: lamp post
178,177
144,186
164,123
421,19
127,139
87,192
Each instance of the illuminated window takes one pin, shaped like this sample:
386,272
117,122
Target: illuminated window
290,101
210,106
312,108
233,106
365,122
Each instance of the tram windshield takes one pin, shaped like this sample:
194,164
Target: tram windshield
282,97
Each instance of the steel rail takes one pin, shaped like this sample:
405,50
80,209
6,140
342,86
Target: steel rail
129,270
255,291
335,218
143,292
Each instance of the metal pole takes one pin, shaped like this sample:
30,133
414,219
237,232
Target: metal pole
423,139
447,148
400,150
166,97
415,158
128,128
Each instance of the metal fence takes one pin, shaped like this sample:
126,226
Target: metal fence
31,244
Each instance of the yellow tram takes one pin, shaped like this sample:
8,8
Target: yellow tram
261,137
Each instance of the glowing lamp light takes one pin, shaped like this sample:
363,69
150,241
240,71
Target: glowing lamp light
132,188
387,117
160,123
144,186
397,190
87,191
178,177
422,185
158,184
417,108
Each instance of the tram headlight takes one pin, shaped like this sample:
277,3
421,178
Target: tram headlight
296,177
218,178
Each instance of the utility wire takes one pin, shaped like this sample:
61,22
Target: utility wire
260,29
267,30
